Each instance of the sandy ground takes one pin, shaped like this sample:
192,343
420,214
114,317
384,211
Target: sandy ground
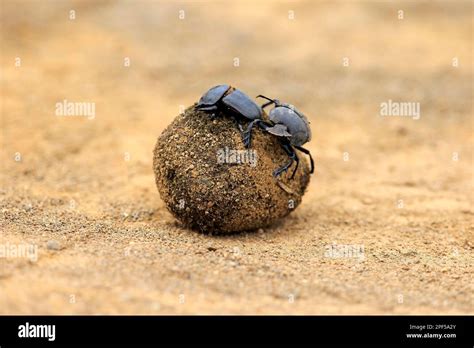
395,193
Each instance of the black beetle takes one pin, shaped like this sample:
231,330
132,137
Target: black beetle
290,125
230,98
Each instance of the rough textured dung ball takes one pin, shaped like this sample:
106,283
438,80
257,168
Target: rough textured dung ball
211,183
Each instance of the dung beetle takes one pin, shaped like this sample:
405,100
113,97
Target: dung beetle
292,128
232,99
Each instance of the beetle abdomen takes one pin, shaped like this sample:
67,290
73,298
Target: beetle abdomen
241,103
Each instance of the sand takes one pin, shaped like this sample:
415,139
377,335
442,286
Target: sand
386,224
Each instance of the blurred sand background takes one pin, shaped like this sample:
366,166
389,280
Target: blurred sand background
85,188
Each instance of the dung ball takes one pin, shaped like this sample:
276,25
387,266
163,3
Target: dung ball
211,183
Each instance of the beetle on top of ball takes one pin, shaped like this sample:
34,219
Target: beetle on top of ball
284,121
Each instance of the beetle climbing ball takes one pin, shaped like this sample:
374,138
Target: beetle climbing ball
285,121
211,182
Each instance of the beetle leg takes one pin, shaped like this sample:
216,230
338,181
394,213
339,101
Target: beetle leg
238,124
207,108
297,160
293,157
266,104
270,101
310,157
247,135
